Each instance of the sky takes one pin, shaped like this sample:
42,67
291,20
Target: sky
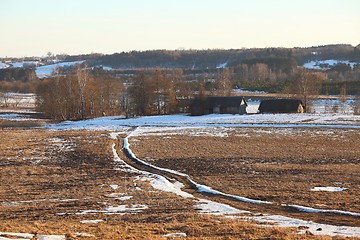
36,27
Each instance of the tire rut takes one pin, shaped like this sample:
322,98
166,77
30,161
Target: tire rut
257,208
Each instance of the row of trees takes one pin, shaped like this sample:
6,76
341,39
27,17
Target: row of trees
18,74
210,58
81,94
78,96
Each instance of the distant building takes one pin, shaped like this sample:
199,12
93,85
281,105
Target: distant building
219,105
281,106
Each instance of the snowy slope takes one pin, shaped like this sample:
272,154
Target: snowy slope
47,70
3,65
327,64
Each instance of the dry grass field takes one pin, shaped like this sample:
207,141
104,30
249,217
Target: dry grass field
67,182
277,165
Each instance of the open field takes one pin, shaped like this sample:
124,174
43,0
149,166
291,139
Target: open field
271,164
73,184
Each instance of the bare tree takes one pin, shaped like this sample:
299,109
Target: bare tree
82,79
357,105
141,93
78,96
223,83
343,97
307,86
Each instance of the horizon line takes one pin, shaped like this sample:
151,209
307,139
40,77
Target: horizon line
181,49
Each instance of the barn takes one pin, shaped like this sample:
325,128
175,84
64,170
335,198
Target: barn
218,105
281,106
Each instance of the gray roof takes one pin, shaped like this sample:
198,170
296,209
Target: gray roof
280,105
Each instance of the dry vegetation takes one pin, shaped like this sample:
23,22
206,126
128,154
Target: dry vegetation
277,165
49,178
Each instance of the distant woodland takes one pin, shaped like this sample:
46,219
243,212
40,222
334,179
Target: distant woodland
163,81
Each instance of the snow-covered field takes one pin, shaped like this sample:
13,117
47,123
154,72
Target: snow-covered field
18,102
216,120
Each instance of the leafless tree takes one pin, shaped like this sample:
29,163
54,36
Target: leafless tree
78,96
307,86
223,83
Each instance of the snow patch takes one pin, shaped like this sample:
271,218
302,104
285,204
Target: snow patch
114,186
52,237
126,208
3,65
315,228
328,189
20,235
173,235
161,183
215,120
222,65
91,221
214,208
47,70
124,198
206,189
327,64
315,210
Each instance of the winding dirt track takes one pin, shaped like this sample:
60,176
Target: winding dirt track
265,207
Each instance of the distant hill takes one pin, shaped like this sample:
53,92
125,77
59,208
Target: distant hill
218,58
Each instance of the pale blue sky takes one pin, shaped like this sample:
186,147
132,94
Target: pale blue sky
35,27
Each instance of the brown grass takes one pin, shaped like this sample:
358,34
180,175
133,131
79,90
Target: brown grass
20,124
277,165
49,176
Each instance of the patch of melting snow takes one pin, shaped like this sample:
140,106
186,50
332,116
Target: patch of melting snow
19,235
121,209
91,221
206,206
207,189
161,183
52,237
83,235
328,189
119,196
175,235
188,131
124,198
315,228
114,186
6,235
315,210
126,208
122,166
56,140
117,123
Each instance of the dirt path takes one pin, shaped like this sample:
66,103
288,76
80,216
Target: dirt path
254,205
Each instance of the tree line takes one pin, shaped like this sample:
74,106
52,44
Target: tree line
211,58
78,95
85,93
